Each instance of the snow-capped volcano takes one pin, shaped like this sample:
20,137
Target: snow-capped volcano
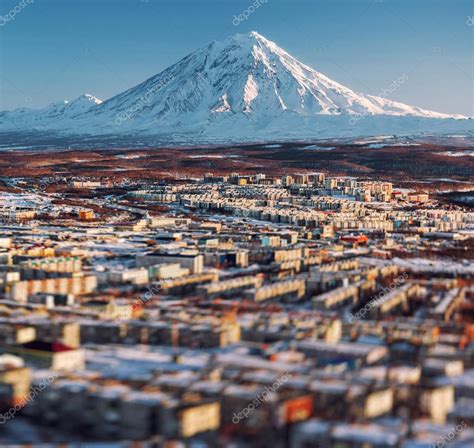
247,74
245,87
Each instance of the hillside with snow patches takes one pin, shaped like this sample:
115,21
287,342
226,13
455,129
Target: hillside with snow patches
245,88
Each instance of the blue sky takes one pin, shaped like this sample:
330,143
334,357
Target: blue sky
59,49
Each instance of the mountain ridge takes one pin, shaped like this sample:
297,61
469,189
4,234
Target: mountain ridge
245,82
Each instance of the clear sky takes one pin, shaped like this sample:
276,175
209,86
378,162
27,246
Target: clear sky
58,49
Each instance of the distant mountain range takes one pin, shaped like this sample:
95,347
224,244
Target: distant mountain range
245,88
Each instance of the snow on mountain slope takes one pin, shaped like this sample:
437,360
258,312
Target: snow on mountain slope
245,87
58,112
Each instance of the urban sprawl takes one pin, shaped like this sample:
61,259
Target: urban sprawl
234,311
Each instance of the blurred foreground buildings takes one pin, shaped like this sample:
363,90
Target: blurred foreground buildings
298,311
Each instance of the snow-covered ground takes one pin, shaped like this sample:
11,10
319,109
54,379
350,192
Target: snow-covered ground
459,153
